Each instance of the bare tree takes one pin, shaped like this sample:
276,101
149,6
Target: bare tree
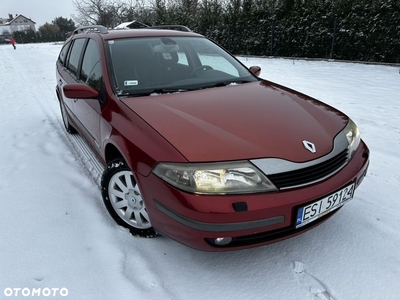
108,13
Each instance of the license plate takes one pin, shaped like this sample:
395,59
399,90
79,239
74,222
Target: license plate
324,206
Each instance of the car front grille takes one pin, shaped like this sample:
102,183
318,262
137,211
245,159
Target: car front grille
310,174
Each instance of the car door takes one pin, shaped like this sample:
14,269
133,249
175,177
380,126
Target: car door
67,68
88,111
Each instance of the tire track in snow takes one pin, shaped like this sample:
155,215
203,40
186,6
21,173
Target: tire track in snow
43,91
311,283
137,268
140,271
37,137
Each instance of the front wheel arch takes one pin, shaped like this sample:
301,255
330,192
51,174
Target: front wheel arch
122,198
112,153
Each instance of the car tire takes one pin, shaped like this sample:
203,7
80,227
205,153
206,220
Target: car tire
123,200
65,119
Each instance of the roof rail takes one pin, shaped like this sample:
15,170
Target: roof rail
172,27
99,28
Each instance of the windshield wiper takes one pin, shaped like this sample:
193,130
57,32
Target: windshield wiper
180,90
229,82
149,92
168,90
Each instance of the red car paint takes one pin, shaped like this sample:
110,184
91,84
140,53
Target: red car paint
249,121
203,124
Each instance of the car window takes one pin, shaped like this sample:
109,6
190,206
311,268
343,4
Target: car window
144,64
212,56
63,53
91,70
220,63
75,55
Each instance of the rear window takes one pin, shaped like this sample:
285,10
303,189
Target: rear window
63,53
75,55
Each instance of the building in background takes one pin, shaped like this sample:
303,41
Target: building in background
13,24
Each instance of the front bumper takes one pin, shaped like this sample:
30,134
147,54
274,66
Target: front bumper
246,220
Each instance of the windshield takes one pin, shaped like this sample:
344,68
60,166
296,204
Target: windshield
143,66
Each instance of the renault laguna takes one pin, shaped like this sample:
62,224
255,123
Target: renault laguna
199,148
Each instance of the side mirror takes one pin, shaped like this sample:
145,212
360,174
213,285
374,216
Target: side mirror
256,70
80,91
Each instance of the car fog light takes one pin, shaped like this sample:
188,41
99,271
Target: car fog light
222,241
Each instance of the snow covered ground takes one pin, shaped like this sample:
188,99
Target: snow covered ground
56,238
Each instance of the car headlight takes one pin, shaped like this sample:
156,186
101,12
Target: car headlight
239,177
353,137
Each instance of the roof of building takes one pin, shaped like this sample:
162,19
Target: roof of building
17,16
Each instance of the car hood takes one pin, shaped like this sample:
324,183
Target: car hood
245,121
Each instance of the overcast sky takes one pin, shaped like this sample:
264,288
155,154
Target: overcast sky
39,11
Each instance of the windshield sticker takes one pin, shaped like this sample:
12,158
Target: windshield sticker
130,82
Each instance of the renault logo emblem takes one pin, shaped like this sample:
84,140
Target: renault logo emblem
309,146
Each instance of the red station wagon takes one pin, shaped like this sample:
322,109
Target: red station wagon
196,146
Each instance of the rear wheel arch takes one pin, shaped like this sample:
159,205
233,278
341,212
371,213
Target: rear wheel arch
58,93
64,114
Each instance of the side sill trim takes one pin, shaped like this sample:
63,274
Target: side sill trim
218,227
